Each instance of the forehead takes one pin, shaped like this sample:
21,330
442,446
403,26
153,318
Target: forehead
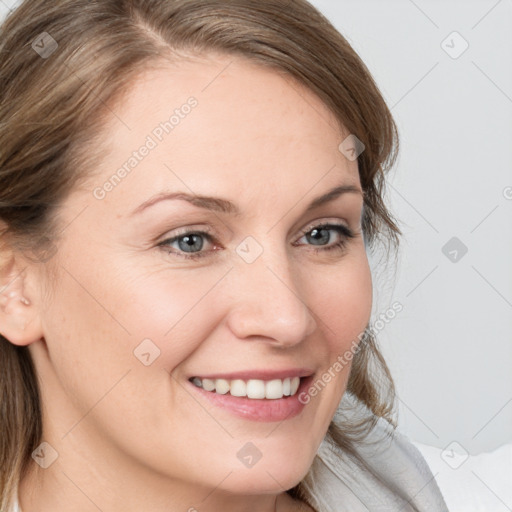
220,124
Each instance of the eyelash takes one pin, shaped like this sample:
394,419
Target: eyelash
345,232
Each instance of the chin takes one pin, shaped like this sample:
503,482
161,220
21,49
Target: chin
272,476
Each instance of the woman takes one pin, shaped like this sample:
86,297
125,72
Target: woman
189,190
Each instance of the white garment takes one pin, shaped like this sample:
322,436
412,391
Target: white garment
398,478
472,483
337,484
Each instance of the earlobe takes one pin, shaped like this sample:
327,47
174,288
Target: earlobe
19,319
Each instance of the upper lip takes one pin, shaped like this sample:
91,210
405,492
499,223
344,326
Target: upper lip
258,374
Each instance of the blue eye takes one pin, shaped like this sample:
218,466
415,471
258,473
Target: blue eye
189,245
320,236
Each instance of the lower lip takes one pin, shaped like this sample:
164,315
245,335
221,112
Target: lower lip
279,409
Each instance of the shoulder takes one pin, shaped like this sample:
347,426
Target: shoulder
395,476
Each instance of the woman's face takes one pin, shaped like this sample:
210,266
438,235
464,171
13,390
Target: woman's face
158,292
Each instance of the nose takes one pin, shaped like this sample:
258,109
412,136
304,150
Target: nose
268,303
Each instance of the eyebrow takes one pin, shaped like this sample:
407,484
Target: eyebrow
217,204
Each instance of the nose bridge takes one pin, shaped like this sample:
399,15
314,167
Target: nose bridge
268,301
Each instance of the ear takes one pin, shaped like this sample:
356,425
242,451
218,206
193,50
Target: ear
20,322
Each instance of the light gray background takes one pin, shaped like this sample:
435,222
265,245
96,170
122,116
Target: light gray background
450,348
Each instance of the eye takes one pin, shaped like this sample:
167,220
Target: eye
188,244
321,236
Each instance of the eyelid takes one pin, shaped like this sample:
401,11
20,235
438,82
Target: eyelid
323,222
185,230
204,228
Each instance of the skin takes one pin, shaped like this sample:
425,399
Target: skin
132,437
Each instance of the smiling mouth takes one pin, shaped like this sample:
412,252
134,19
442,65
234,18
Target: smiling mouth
255,389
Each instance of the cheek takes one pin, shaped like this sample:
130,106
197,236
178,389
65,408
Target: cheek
94,326
175,310
118,310
99,328
342,302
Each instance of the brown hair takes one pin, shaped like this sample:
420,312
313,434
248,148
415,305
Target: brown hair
53,105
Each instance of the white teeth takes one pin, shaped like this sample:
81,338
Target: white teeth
222,386
208,384
286,387
294,385
274,389
238,388
253,388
